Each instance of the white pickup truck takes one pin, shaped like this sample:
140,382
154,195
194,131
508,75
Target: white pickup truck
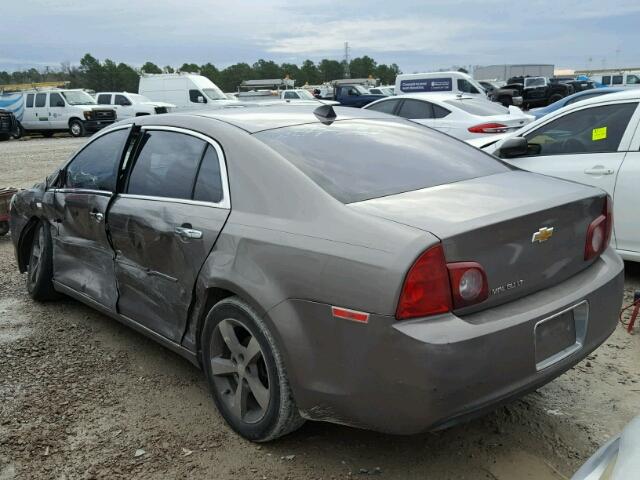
131,104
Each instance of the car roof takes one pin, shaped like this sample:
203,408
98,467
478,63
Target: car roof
256,119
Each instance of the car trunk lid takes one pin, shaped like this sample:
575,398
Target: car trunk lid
492,220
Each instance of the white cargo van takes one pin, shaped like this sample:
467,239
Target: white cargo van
56,110
434,82
187,91
623,79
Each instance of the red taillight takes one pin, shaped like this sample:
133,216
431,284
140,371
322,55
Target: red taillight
599,232
468,283
489,128
426,289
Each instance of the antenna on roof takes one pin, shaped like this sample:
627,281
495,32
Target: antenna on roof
325,113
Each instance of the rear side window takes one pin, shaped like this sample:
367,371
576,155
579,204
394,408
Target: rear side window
30,100
606,80
415,109
440,112
104,99
208,186
616,80
482,108
166,165
591,130
96,166
41,99
355,160
386,106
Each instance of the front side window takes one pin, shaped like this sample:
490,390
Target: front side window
96,166
591,130
167,165
41,99
196,96
633,79
466,86
55,100
385,106
416,110
30,100
104,99
208,186
290,95
122,101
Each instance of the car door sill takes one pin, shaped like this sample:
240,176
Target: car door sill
171,345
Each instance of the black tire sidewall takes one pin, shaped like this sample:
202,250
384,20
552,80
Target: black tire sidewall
42,287
82,129
262,429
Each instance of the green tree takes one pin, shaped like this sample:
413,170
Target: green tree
168,69
387,73
210,71
91,72
266,69
330,70
232,76
190,68
362,67
128,78
290,69
309,73
150,67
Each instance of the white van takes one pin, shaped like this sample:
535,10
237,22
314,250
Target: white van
187,91
624,79
434,82
57,110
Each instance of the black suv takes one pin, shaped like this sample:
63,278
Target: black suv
538,91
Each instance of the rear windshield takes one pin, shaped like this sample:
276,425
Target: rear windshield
483,108
356,160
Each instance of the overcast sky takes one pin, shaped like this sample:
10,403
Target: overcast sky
417,35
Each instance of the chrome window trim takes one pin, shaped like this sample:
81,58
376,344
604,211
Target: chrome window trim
226,198
186,201
83,190
93,138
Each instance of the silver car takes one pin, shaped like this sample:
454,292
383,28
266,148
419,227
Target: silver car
336,265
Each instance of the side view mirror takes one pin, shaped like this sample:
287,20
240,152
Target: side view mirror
513,147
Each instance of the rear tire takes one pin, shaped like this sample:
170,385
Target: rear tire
40,269
246,373
554,98
76,128
505,101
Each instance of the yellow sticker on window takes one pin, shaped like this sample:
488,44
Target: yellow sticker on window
599,134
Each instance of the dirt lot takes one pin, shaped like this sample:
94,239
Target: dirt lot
82,396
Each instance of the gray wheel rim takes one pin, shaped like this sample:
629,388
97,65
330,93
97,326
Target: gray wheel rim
239,371
75,128
36,255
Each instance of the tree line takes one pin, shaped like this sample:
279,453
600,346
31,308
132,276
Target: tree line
108,75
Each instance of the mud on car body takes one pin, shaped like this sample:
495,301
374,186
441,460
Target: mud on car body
327,264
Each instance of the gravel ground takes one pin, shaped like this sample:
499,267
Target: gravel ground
82,396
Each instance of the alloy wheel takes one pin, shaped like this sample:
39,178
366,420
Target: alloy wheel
239,371
36,255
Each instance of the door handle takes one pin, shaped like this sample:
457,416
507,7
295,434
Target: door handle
599,171
97,216
188,233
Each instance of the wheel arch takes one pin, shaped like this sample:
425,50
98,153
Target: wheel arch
24,243
74,118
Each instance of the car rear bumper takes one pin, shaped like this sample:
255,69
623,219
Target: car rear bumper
412,376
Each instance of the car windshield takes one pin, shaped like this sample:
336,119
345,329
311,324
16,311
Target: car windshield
78,97
478,107
356,160
305,95
534,82
214,93
138,98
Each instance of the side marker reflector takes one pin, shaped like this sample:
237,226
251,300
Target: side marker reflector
353,315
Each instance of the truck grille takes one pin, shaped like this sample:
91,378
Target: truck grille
6,122
105,114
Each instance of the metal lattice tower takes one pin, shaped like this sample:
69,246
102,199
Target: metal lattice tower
347,73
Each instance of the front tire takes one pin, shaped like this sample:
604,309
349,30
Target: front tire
76,128
40,270
19,132
246,373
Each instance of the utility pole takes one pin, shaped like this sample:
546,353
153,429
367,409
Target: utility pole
347,73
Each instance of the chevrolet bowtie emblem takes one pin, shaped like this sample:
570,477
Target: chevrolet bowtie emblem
542,235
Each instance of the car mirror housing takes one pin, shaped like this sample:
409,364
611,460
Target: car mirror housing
514,147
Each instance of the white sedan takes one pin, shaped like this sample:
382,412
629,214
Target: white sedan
595,141
460,116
